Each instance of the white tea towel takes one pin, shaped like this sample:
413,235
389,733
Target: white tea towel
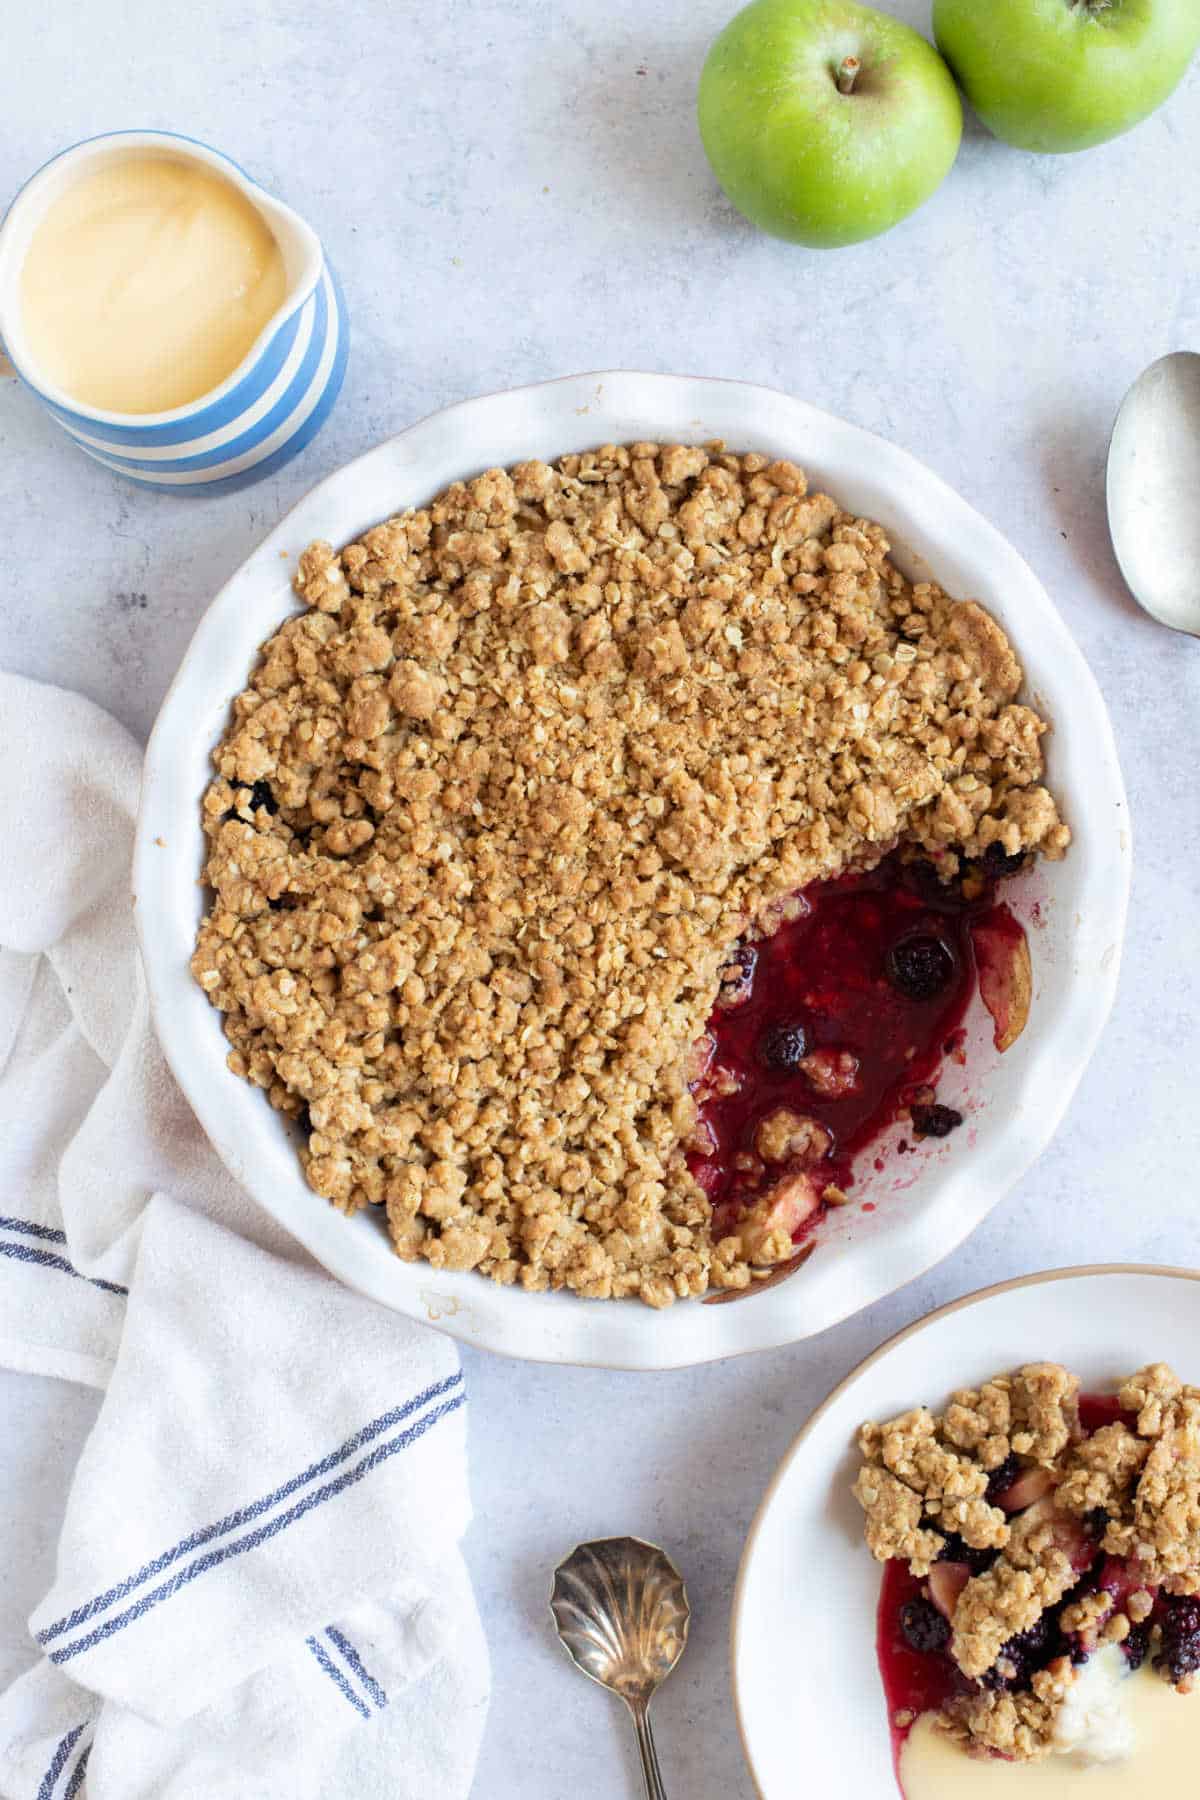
259,1588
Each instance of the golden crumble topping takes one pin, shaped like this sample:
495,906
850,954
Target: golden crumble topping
498,803
950,1487
1009,1469
1099,1477
1034,1413
1032,1573
1017,1726
1085,1615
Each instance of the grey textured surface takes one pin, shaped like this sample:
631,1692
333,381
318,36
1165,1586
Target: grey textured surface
513,189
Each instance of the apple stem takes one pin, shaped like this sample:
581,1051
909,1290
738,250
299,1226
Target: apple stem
847,74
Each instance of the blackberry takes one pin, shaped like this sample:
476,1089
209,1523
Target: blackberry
783,1047
956,1549
1001,1478
920,966
922,878
1026,1653
1180,1627
923,1627
997,862
934,1121
1136,1645
261,795
1029,1648
737,977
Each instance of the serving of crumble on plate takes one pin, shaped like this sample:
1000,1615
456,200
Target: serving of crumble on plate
507,813
1025,1527
1037,1625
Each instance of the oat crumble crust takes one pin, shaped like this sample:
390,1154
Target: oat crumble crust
497,805
924,1474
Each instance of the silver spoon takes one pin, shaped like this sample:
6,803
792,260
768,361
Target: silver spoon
622,1612
1154,490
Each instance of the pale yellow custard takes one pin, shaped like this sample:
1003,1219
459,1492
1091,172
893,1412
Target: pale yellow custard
1126,1736
146,283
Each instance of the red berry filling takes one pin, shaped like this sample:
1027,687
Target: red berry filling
841,1019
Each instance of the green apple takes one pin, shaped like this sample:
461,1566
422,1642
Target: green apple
827,122
1066,74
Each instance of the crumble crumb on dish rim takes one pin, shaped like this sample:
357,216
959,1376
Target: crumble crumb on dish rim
497,806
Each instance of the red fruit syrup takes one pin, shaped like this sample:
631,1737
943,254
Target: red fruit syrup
874,975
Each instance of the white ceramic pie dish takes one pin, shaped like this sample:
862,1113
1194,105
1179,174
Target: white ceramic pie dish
806,1682
924,1204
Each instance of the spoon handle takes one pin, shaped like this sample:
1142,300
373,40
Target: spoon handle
651,1774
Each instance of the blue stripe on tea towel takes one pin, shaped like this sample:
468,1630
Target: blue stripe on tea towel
58,1761
279,1523
356,1663
29,1253
335,1675
29,1229
253,1511
77,1774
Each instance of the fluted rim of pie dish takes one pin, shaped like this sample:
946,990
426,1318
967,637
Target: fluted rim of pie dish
1081,902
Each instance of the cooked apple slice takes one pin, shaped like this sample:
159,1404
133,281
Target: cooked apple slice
946,1582
1070,1535
1028,1486
767,1228
1005,976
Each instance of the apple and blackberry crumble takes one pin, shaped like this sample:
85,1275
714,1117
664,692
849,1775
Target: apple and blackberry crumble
604,853
1040,1543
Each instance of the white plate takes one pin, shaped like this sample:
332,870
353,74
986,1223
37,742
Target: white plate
805,1680
932,1199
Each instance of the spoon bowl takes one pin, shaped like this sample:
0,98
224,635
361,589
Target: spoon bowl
1154,490
621,1612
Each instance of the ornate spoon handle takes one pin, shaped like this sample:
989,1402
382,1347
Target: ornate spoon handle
651,1773
621,1612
